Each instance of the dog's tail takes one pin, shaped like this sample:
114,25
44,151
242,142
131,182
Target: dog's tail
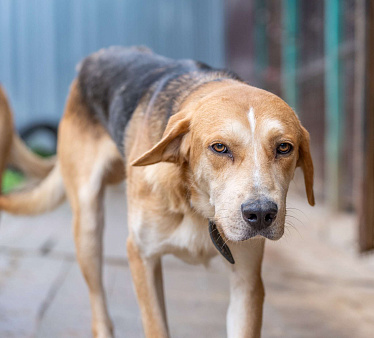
26,161
42,198
17,154
12,149
49,193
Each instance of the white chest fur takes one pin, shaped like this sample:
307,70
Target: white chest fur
189,240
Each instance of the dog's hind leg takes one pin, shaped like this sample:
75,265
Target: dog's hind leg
87,155
88,225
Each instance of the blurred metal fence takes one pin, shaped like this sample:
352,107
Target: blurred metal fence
42,41
304,51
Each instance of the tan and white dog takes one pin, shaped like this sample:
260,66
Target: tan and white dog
208,160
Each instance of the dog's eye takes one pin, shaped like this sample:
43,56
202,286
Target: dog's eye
219,148
284,148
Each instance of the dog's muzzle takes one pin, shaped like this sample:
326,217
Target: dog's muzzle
218,242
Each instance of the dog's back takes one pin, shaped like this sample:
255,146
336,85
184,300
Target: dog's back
113,80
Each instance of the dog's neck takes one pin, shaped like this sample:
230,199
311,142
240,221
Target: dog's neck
174,184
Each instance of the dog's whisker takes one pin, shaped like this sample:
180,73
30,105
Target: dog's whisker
290,226
296,210
295,218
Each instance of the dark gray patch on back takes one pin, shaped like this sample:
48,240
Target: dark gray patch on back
114,80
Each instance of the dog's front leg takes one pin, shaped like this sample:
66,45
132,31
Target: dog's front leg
244,316
147,277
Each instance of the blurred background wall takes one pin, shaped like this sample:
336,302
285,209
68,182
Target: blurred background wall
41,42
314,54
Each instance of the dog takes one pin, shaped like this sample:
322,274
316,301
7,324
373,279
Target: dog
207,158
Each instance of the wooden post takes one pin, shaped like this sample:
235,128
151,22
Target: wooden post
290,17
334,104
366,202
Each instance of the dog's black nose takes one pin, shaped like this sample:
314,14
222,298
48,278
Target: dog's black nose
259,214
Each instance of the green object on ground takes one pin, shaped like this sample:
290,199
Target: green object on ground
11,179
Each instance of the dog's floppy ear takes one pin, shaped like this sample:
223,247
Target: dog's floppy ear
168,149
306,164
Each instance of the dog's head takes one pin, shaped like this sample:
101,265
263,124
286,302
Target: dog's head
242,146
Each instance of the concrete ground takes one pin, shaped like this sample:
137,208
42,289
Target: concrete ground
313,289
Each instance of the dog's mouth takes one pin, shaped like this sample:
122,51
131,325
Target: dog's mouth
219,243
